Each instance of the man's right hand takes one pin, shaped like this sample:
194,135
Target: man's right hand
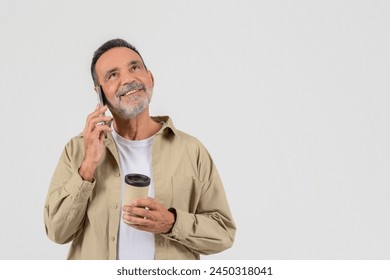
93,135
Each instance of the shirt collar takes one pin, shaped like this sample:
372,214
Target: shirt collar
166,129
167,125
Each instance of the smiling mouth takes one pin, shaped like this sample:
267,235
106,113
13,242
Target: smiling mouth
131,92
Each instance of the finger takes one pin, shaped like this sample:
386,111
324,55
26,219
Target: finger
101,109
100,131
134,219
102,119
98,121
150,203
90,123
133,210
98,111
128,219
142,212
145,202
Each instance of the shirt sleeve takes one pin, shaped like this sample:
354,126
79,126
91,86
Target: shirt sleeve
67,200
211,229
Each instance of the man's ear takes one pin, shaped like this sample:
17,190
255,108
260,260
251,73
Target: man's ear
151,77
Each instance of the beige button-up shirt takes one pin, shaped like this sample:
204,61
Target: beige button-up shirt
185,179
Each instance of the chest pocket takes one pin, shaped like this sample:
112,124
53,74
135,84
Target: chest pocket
186,192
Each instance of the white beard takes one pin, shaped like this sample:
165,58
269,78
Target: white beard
123,109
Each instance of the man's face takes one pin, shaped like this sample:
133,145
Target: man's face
127,85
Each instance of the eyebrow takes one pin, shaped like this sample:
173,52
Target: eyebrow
132,62
109,72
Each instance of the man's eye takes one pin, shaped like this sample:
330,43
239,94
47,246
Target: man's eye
112,75
135,68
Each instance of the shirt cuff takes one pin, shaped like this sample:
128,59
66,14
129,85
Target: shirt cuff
79,189
181,219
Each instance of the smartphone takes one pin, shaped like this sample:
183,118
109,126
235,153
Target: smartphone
101,96
102,101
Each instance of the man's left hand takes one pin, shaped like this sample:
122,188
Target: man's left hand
148,215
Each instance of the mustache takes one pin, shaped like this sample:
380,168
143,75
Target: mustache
129,87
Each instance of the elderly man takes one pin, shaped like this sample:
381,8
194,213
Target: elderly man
186,212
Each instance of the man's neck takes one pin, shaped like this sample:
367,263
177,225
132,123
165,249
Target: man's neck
139,128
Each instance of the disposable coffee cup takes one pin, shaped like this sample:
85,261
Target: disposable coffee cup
136,186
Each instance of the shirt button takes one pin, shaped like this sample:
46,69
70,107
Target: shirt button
113,239
118,174
114,206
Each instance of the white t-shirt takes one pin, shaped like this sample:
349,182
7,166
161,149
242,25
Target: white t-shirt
134,157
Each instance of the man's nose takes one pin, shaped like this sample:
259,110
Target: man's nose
128,78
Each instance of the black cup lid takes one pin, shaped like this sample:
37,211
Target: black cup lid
137,180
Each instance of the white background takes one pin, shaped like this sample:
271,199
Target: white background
291,98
